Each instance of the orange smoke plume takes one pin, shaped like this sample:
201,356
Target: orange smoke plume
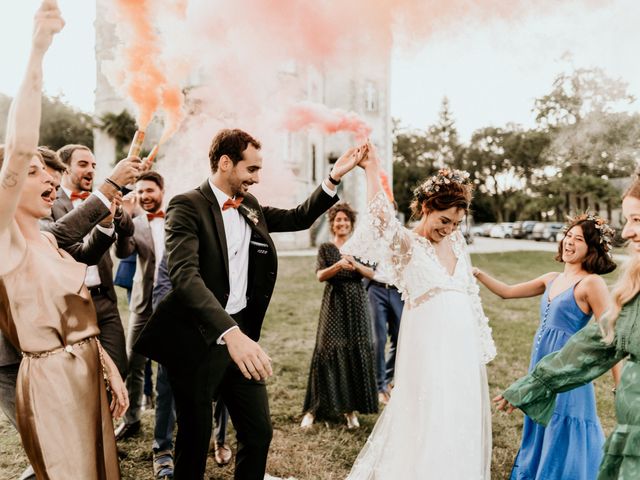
145,82
308,115
386,187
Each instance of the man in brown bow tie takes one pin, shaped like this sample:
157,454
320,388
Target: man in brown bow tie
222,263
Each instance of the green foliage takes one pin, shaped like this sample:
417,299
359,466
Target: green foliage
62,124
418,154
578,93
121,127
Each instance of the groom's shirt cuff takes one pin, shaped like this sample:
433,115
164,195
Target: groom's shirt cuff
327,190
220,340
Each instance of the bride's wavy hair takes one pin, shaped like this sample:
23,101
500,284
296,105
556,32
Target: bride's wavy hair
628,284
448,189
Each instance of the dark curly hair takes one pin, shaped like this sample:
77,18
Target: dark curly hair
345,208
597,260
230,142
451,195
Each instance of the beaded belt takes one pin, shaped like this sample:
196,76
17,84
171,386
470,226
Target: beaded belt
66,348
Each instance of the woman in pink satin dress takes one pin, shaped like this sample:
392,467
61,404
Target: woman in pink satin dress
63,414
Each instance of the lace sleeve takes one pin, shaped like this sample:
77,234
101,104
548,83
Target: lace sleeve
487,345
380,238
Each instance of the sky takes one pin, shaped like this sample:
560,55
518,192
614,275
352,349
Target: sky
491,71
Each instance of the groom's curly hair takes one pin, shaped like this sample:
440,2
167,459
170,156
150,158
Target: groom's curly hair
230,142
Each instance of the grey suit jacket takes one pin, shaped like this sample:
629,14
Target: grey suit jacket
69,231
142,244
123,226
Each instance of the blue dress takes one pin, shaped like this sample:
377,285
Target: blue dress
570,446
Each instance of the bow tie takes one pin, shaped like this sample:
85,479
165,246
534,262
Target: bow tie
151,216
79,196
230,203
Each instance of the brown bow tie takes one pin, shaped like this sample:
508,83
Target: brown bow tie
151,216
230,203
79,196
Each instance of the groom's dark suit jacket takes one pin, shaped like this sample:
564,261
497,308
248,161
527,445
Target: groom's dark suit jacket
192,317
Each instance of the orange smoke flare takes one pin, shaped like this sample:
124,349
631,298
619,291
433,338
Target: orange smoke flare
145,83
308,115
384,179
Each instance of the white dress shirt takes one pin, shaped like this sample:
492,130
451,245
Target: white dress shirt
157,234
92,277
238,235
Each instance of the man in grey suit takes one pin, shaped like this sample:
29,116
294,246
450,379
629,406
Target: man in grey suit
76,186
147,243
69,232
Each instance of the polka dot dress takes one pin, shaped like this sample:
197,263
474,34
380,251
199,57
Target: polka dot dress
342,376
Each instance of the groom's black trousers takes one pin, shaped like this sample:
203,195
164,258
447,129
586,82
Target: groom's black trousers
193,390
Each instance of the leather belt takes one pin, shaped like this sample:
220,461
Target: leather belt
388,286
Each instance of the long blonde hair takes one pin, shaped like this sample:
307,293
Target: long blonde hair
628,284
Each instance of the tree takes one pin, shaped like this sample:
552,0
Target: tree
577,93
121,127
62,124
412,163
444,135
591,140
501,163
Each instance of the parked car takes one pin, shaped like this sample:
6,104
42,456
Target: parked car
523,229
501,230
486,229
476,230
547,231
466,227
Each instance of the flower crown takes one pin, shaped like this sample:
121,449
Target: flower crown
605,231
444,177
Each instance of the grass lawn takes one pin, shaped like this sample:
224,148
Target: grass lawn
328,450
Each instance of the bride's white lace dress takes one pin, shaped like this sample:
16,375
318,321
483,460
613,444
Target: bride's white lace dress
437,424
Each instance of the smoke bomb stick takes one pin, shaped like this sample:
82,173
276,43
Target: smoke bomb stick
136,144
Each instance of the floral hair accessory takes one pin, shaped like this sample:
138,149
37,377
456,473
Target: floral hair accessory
604,229
443,178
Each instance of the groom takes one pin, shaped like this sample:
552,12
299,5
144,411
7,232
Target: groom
222,263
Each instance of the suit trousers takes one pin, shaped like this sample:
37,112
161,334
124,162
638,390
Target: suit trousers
248,405
135,376
386,306
111,331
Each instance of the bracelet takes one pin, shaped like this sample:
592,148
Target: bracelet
333,180
112,183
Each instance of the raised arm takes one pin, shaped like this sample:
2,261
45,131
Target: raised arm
532,288
23,123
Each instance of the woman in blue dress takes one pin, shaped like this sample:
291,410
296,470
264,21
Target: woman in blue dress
570,446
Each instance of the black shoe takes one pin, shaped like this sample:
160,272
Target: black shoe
127,430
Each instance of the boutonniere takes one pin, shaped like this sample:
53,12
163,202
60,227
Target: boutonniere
250,213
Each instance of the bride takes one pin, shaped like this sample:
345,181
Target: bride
437,424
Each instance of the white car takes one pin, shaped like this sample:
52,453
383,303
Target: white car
501,230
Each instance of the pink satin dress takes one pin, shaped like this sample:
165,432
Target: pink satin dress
61,402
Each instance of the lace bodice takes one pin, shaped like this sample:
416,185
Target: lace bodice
413,265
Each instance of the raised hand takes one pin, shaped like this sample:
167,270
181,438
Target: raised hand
371,159
116,202
126,171
47,23
348,161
